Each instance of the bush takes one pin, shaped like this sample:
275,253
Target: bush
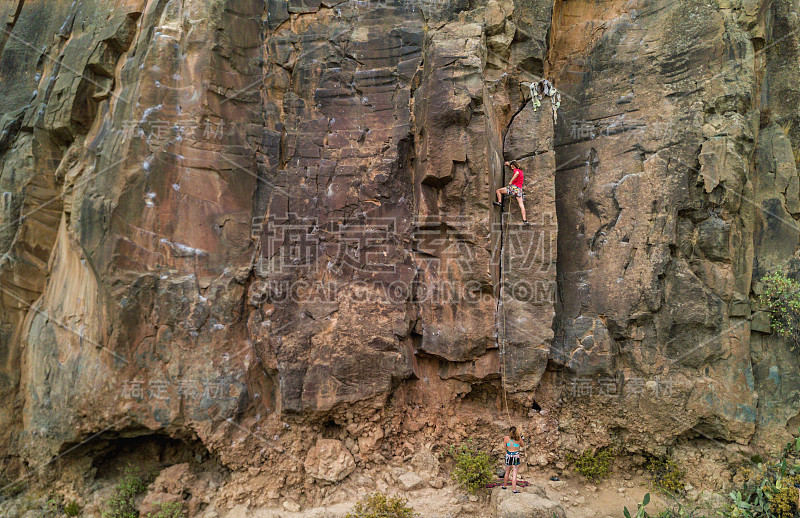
473,469
781,297
594,465
379,505
666,475
72,508
121,504
168,510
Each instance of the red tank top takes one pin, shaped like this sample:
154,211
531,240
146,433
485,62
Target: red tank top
520,177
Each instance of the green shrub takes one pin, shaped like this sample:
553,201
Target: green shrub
666,475
72,508
379,505
781,297
167,510
473,469
121,504
594,465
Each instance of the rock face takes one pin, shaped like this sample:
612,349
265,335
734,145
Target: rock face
672,209
251,222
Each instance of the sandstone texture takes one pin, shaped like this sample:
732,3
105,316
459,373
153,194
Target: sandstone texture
329,460
530,502
527,505
258,235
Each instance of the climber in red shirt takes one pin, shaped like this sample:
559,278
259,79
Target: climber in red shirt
514,188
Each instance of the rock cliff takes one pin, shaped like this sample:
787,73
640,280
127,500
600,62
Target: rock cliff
263,229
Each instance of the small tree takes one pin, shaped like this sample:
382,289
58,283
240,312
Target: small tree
781,297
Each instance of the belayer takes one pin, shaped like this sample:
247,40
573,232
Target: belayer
512,443
514,188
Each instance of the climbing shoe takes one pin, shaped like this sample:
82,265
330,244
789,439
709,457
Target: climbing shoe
497,203
526,222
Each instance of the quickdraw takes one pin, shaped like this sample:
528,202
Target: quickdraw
545,88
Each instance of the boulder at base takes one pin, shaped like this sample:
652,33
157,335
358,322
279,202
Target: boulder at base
525,505
329,460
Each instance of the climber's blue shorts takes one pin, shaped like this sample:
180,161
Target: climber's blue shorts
512,458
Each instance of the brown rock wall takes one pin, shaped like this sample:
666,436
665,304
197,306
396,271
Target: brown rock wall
257,222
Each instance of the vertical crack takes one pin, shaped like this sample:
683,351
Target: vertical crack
9,26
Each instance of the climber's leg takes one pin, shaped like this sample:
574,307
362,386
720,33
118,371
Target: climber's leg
500,192
514,477
522,207
505,477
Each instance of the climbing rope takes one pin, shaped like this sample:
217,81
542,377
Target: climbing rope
503,307
538,90
502,342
